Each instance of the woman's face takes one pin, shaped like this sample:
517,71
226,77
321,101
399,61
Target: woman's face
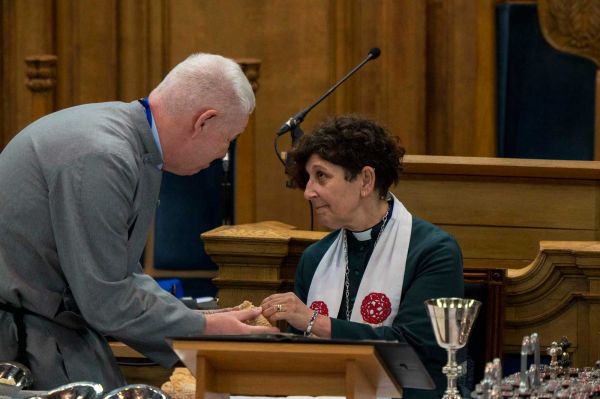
334,199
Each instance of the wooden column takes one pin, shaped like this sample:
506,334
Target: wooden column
41,80
573,26
461,81
245,158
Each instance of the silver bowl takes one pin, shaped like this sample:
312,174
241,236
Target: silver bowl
75,390
18,375
137,391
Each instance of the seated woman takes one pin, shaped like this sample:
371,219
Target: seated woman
369,278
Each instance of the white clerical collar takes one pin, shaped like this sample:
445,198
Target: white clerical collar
362,235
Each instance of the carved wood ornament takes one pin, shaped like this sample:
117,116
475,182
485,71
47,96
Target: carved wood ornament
41,72
572,26
251,68
41,81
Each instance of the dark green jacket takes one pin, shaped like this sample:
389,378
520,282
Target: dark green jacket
434,269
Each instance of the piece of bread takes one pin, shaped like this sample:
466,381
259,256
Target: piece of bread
8,381
181,384
259,320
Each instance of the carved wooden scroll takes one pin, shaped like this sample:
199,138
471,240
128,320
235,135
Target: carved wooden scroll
41,80
557,295
572,26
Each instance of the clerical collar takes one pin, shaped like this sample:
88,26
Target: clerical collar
368,234
364,235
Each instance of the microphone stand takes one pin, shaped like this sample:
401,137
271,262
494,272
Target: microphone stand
293,124
227,198
297,119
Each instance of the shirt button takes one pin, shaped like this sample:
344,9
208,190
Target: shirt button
356,273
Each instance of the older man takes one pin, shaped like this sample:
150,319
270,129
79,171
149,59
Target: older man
78,190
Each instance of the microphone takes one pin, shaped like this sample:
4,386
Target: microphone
297,119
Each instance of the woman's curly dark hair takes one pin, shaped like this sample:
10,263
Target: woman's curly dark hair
351,142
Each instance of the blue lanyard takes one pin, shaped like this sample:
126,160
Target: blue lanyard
146,105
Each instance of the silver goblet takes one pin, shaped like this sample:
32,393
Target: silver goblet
452,320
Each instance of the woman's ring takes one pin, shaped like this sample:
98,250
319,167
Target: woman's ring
279,307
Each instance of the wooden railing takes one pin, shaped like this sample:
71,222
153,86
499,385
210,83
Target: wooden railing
499,209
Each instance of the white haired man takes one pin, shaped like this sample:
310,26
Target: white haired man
78,190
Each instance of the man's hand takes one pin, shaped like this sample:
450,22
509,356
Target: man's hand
231,323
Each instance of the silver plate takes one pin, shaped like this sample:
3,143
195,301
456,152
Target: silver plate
16,372
137,391
20,374
75,390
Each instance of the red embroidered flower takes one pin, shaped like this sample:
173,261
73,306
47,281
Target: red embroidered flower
320,307
375,308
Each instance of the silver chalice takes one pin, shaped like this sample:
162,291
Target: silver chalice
452,320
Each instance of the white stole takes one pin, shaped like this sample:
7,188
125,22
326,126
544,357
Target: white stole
378,296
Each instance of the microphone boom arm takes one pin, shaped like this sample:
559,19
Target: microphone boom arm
297,119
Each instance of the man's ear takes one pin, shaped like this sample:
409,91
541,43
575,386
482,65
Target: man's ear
367,176
202,118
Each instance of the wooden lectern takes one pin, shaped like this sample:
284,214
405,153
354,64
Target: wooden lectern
230,366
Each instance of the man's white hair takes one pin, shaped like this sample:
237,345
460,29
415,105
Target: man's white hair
207,81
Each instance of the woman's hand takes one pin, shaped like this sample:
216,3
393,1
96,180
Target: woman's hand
288,307
231,321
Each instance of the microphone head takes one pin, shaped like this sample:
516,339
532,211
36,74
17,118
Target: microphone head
374,53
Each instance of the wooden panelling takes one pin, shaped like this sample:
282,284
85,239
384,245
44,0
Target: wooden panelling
433,84
26,30
133,43
294,70
245,155
119,50
87,51
392,88
514,202
460,77
402,85
500,209
297,68
508,247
